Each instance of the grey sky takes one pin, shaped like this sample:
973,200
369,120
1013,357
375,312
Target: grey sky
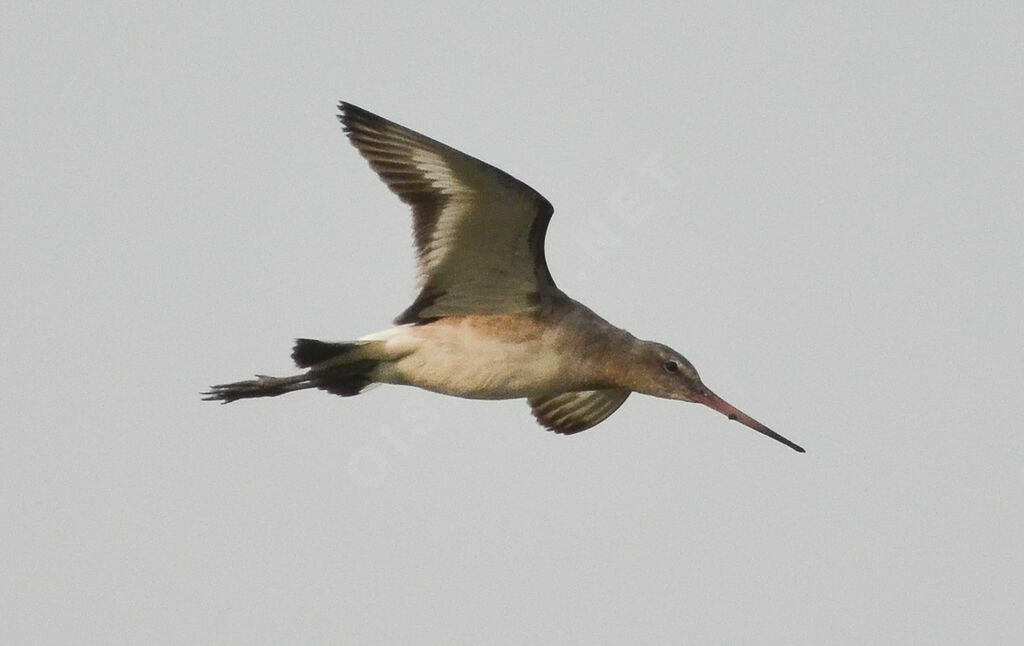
820,206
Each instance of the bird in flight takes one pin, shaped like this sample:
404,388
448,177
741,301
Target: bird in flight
489,322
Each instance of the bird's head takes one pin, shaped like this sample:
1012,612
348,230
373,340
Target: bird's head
660,371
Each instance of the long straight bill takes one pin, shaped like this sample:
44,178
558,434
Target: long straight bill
712,400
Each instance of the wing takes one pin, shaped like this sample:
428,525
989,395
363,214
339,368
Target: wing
479,231
573,412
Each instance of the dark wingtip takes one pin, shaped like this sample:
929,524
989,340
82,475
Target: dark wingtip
352,116
344,113
344,108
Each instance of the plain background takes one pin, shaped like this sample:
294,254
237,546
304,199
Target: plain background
820,206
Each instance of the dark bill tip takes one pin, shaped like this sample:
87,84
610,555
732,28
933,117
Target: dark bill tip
713,401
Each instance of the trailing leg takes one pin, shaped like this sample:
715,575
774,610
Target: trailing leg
344,369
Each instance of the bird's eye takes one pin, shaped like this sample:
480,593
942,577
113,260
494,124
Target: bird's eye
671,366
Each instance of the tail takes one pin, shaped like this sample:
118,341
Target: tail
343,369
309,352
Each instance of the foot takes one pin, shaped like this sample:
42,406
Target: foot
261,386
